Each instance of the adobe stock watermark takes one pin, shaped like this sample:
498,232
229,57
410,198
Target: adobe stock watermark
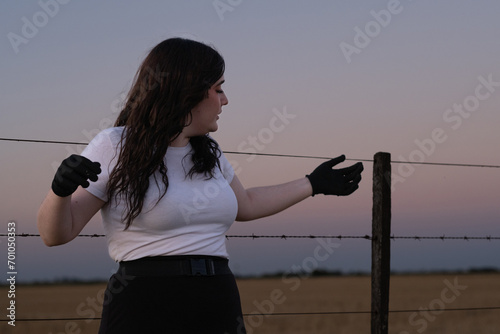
372,29
425,315
223,6
116,107
91,308
453,117
31,26
293,278
11,272
254,143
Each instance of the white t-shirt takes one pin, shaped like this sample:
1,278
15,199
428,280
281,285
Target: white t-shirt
191,219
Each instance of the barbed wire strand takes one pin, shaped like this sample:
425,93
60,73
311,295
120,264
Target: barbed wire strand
287,313
285,237
253,236
274,154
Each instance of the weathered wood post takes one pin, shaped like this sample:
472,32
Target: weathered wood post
381,243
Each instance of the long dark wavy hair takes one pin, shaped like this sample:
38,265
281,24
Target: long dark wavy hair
173,78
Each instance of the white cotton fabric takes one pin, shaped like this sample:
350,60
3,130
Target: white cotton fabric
191,219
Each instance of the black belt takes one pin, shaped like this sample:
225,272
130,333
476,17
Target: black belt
184,265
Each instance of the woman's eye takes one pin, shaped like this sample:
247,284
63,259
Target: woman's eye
220,91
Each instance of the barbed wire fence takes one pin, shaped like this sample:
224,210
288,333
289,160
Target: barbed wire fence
309,236
42,141
488,238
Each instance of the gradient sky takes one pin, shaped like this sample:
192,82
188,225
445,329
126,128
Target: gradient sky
354,78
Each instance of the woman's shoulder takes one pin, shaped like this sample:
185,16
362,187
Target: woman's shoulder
113,131
106,139
113,134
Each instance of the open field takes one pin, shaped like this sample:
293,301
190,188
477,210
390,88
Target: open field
440,293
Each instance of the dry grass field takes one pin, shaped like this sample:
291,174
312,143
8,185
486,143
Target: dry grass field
434,295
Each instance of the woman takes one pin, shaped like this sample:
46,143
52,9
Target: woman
148,175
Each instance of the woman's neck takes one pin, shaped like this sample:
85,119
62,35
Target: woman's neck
180,141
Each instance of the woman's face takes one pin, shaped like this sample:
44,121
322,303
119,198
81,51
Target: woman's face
206,113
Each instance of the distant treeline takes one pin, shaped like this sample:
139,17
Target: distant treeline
327,272
281,274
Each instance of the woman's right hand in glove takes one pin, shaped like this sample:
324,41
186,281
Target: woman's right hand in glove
341,182
74,171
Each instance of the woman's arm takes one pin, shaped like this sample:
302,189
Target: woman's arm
260,202
67,208
61,219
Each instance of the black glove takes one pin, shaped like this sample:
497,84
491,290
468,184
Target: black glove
73,172
340,182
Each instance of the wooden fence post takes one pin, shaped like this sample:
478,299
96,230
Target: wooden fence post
381,243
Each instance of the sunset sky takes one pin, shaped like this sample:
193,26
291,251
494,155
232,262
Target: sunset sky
418,79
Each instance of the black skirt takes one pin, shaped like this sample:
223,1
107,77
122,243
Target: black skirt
180,300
